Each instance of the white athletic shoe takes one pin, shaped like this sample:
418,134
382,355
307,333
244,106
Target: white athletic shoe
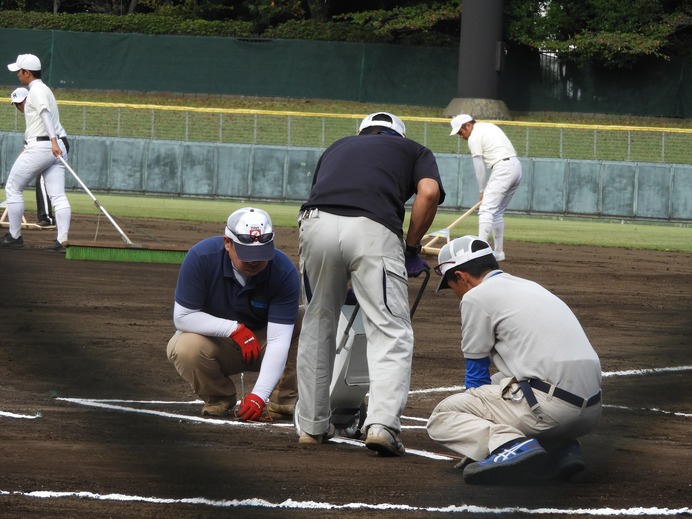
499,256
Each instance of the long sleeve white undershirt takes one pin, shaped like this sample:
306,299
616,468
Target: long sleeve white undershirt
479,168
48,123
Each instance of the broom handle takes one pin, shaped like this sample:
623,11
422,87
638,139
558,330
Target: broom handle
435,238
478,204
96,202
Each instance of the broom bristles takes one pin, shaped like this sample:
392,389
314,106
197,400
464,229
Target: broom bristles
131,255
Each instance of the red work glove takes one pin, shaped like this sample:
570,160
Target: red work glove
250,408
249,345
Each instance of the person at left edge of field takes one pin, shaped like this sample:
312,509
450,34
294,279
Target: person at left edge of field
237,309
44,209
46,141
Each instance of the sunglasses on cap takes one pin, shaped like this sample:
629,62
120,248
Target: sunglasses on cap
438,268
254,238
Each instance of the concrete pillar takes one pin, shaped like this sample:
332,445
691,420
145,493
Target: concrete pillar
481,59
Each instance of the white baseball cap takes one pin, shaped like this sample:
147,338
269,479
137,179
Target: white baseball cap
18,95
25,62
252,233
458,121
384,119
457,252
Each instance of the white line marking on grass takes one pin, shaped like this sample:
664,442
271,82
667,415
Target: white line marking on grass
291,504
26,416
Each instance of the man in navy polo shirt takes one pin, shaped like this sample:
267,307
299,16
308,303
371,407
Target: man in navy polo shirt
237,309
351,230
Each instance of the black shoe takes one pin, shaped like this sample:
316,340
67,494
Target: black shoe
56,247
9,242
564,462
45,223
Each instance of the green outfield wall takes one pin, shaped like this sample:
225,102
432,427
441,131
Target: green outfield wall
627,190
390,74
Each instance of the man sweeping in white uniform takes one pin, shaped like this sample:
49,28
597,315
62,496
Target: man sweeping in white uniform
491,149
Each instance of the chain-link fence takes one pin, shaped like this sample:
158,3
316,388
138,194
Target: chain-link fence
566,141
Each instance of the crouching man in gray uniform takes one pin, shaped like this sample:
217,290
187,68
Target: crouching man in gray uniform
548,380
351,230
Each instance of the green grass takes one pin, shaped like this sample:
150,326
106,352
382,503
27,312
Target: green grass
534,229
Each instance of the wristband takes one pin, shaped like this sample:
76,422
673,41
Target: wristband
412,250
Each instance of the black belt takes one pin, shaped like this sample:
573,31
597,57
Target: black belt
46,138
501,160
566,396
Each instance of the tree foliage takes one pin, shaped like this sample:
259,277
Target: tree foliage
613,33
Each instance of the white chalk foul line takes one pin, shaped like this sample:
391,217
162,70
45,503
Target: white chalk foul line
15,415
650,371
650,410
292,504
111,405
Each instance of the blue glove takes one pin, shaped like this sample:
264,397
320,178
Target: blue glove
415,265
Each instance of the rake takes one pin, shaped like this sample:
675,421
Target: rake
134,252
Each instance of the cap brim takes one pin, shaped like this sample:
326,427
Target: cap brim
13,67
443,284
250,253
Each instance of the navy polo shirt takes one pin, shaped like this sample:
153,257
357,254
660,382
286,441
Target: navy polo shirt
207,282
372,176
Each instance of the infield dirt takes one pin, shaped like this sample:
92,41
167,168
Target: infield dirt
97,330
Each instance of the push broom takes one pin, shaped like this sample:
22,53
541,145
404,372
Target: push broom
132,252
444,233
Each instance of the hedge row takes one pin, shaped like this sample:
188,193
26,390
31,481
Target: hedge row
157,24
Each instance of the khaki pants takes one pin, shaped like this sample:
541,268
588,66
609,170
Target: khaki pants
479,420
207,362
334,250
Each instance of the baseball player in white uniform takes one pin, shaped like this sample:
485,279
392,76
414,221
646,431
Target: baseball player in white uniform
547,387
44,211
45,141
491,150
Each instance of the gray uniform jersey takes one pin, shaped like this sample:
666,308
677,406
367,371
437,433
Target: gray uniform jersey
529,333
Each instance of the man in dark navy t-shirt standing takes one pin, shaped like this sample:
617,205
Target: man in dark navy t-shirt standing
351,230
236,309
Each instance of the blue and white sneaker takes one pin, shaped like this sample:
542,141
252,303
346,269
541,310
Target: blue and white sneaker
526,456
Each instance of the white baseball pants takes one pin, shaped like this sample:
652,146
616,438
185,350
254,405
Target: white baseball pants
502,184
38,158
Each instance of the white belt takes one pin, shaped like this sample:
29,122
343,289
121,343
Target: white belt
306,214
